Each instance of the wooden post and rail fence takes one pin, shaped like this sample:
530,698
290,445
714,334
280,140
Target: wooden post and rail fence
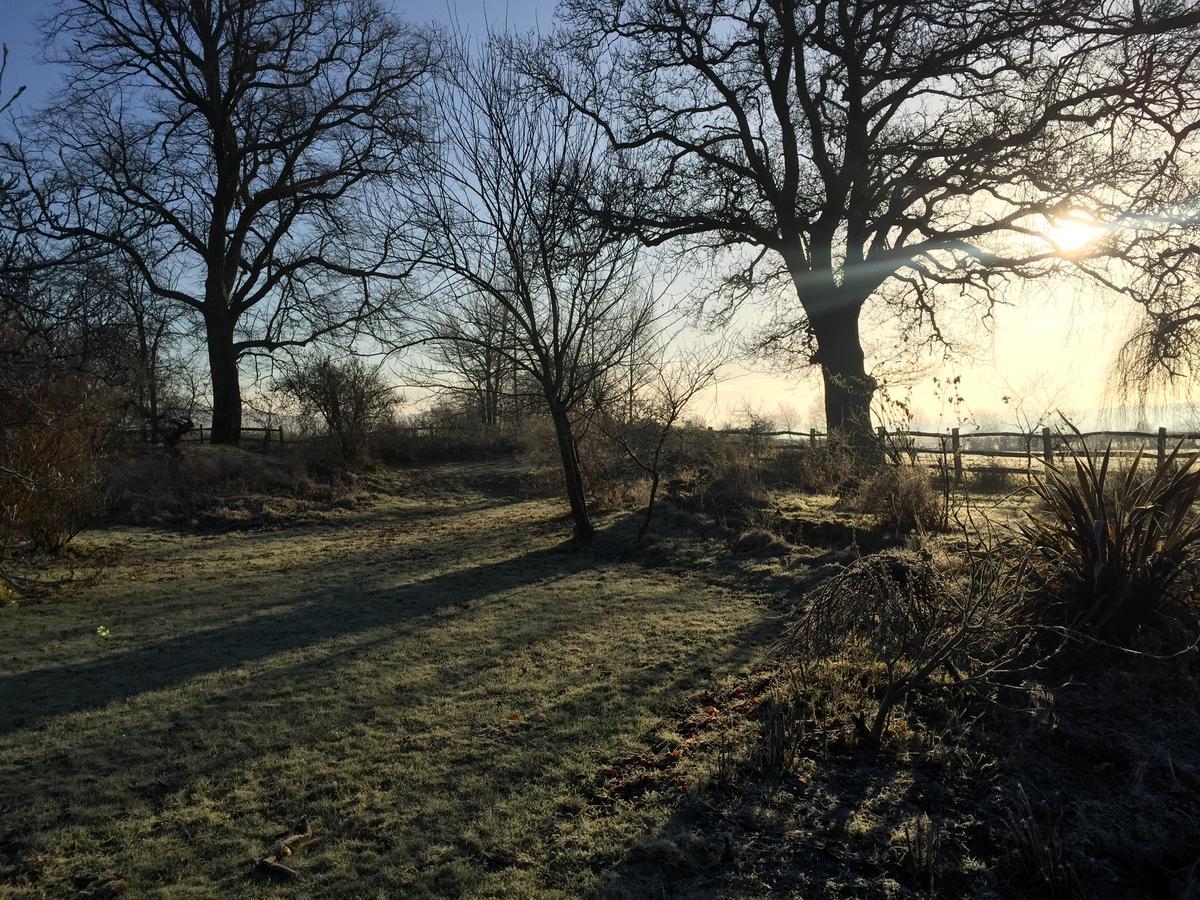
202,434
949,449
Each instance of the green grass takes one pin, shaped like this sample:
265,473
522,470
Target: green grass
433,678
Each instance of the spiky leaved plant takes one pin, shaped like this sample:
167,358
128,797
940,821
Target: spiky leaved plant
1121,552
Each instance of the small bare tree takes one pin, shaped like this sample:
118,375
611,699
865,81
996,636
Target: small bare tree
510,235
674,378
351,398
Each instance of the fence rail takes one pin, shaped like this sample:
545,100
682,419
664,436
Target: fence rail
202,434
952,446
277,434
949,448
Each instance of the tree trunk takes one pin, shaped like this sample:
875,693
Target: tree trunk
226,383
572,473
649,506
152,391
848,388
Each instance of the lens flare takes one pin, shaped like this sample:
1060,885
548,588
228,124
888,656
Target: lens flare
1073,232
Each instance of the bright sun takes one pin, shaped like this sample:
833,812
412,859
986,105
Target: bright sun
1071,232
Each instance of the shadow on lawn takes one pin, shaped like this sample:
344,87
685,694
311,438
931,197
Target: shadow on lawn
343,698
734,841
32,696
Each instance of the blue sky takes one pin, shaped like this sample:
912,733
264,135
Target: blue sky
19,29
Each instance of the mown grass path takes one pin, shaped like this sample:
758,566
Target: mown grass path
432,678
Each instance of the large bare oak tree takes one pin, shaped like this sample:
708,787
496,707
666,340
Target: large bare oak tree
235,151
854,149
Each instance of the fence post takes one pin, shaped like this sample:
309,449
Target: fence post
812,437
281,434
882,433
957,450
1047,448
1162,447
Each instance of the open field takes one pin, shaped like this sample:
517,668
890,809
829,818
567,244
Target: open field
428,679
463,704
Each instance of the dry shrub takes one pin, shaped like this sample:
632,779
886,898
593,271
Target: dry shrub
761,543
892,623
151,485
737,496
444,432
51,484
398,443
350,398
696,445
1119,552
902,497
782,732
826,467
540,460
1039,851
916,844
993,480
613,478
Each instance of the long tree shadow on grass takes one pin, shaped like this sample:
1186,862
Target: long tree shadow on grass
255,737
35,695
777,836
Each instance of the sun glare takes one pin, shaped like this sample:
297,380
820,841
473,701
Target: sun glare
1072,232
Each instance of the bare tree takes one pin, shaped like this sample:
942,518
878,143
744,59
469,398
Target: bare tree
12,211
157,336
351,398
472,360
231,150
673,379
903,149
1163,350
508,231
7,184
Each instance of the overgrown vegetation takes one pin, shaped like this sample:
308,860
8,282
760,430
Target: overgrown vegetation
349,398
891,624
902,496
882,722
51,453
1119,547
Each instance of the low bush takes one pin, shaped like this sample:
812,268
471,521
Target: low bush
993,480
1119,552
150,485
902,497
351,399
826,467
891,623
736,497
51,484
398,443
